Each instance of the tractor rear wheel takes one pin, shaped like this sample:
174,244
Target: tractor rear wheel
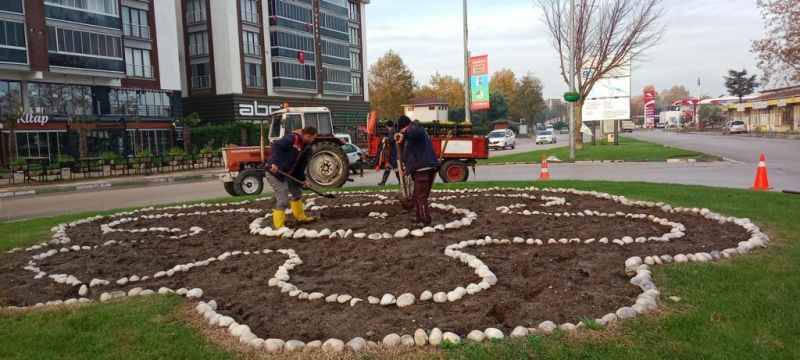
249,182
453,171
328,166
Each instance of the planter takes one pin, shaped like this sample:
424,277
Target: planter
106,170
19,177
66,173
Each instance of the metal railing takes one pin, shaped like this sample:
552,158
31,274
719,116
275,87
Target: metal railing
252,50
136,31
195,17
254,82
250,17
140,71
201,82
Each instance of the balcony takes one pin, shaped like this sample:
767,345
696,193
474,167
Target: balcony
140,71
250,17
136,31
201,82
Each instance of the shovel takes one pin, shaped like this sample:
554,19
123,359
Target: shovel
301,183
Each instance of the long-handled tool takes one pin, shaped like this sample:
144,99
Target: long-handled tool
403,183
303,184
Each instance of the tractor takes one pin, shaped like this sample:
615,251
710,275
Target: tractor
328,166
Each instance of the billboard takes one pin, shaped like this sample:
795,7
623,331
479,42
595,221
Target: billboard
610,97
650,109
479,83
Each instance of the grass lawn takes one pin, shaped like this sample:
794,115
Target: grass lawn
629,150
744,308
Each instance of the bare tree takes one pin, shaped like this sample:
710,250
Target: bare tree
608,34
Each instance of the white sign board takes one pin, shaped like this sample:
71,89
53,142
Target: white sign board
610,97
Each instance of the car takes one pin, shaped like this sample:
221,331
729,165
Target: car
502,139
344,137
356,157
545,137
735,127
628,126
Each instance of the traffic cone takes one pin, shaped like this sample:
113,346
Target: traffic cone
762,180
544,175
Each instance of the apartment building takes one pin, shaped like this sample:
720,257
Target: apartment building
82,77
240,55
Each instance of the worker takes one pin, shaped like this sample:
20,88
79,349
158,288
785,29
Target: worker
387,158
290,155
420,162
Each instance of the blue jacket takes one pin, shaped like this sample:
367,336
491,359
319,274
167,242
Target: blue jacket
418,150
289,158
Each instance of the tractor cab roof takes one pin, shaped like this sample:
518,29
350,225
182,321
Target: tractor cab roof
300,110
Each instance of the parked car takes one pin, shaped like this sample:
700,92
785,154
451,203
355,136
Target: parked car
545,137
564,131
356,157
344,137
502,139
735,127
628,126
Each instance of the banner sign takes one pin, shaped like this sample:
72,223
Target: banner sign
650,109
479,83
610,97
36,119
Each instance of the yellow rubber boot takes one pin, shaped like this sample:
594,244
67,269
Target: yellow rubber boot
278,219
299,213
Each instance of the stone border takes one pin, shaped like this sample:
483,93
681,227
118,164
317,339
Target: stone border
636,267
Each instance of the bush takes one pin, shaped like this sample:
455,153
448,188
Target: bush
109,156
216,136
176,152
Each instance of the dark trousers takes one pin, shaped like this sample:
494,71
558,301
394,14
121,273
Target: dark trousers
423,181
388,171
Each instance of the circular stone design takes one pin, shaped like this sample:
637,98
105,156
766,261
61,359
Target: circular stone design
365,284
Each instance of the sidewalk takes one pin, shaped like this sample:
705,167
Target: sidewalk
107,183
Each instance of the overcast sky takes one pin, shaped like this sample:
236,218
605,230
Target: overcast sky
704,39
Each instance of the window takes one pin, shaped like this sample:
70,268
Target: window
354,35
40,144
294,71
353,11
106,7
253,77
356,83
330,48
10,97
293,122
83,43
291,11
333,22
291,41
321,121
200,76
140,103
59,99
251,43
137,63
338,76
195,11
155,141
355,61
135,23
12,35
249,10
198,43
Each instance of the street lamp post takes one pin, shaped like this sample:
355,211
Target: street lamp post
572,65
467,102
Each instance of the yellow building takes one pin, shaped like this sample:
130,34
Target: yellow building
775,110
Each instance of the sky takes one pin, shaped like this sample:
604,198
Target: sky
703,39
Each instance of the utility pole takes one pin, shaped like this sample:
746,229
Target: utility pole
467,102
572,66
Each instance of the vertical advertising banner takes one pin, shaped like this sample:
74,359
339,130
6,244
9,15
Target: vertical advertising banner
479,82
650,109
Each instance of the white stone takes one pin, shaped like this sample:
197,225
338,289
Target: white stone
420,337
426,295
435,337
626,313
274,345
294,345
342,299
135,291
388,299
493,333
547,326
476,336
451,337
194,293
680,258
391,340
402,233
406,299
357,344
373,300
83,290
519,331
417,233
440,297
407,340
568,327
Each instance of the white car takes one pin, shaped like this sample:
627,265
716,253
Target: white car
356,157
735,127
502,139
545,137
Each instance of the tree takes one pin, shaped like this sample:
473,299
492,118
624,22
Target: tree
391,85
667,97
739,84
499,107
529,101
608,36
443,87
779,52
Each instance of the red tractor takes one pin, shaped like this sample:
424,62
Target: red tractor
454,144
328,166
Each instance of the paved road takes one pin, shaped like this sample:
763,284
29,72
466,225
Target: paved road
526,145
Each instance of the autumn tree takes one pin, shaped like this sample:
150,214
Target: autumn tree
740,84
779,51
391,85
443,87
528,101
669,96
607,36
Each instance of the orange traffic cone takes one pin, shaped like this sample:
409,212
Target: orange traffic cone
544,175
762,181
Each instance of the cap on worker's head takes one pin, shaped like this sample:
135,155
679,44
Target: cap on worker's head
403,121
389,123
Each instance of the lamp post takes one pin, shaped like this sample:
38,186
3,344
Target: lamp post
467,102
572,65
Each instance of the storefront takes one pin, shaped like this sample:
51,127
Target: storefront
45,120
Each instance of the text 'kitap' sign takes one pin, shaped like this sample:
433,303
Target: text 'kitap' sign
34,119
256,109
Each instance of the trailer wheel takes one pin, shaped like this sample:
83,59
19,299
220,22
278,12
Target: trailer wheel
328,166
249,182
229,188
454,171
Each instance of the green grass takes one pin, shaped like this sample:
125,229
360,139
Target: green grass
744,308
629,150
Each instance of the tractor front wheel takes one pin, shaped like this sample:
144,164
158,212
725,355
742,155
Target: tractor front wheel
249,182
453,171
328,166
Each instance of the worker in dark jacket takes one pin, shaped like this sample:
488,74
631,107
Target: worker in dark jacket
289,155
388,155
420,162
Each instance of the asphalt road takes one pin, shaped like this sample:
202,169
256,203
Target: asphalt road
784,173
526,145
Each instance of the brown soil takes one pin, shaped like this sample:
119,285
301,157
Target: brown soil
555,282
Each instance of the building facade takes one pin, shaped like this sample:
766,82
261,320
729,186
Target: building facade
776,110
427,110
82,77
242,58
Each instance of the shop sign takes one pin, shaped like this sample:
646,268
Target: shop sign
256,109
29,118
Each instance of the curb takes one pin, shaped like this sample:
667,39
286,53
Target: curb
594,162
8,195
